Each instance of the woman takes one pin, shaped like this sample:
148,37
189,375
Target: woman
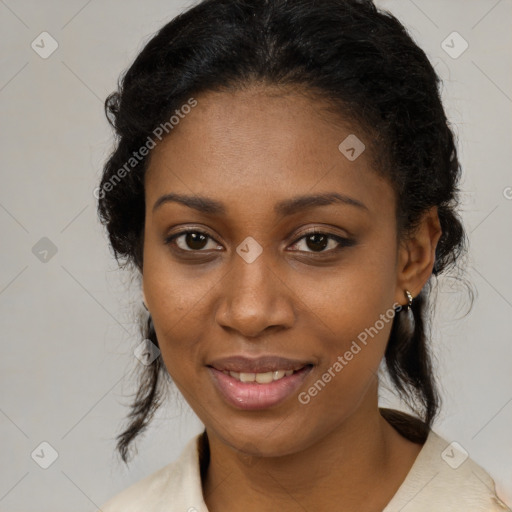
285,184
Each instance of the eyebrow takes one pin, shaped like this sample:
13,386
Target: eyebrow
282,209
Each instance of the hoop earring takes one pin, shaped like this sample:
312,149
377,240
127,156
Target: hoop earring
145,307
409,300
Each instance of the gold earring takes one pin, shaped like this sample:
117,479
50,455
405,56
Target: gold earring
409,299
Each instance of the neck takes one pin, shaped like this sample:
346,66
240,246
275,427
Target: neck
342,467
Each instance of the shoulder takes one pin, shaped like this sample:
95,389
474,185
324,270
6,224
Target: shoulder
174,487
444,478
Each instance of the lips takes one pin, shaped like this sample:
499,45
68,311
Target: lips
263,364
253,395
260,383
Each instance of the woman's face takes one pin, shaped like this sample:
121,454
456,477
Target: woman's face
250,280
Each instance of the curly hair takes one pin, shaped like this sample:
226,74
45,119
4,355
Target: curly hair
364,64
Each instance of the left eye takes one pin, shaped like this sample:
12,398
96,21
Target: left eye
318,242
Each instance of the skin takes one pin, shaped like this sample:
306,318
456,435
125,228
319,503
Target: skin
249,150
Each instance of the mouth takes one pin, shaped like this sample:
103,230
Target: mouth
258,390
261,378
264,364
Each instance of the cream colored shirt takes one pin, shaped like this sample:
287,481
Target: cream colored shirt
442,479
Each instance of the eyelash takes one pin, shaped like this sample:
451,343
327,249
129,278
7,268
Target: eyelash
343,242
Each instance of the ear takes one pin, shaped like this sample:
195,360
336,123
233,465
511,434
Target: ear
416,256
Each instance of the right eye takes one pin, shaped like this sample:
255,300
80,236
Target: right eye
195,239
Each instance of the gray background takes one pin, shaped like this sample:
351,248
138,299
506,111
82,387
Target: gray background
67,324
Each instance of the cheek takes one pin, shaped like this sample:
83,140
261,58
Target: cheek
178,320
172,304
355,309
173,290
349,299
349,367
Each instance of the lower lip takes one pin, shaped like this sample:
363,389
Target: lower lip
253,396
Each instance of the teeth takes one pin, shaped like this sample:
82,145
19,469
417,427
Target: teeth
247,377
260,378
264,378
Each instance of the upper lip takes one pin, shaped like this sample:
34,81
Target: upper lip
261,364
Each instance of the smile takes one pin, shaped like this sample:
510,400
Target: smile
257,391
260,378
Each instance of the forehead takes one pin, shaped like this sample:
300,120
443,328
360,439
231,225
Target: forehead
261,144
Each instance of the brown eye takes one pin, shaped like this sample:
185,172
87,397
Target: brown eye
191,241
318,242
195,241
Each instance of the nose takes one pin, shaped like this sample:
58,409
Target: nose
255,298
